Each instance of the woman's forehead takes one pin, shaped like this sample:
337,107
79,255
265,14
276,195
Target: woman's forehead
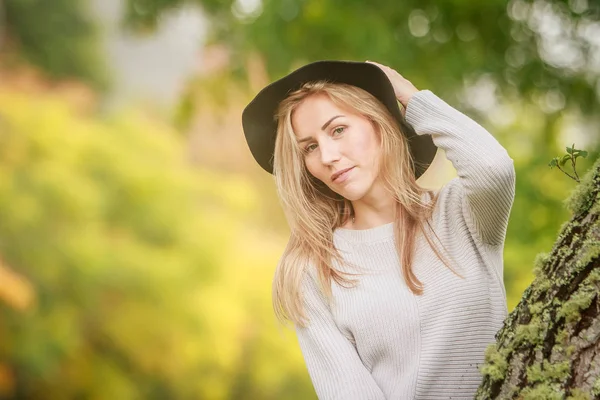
313,112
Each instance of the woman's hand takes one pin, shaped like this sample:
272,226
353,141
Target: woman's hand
403,88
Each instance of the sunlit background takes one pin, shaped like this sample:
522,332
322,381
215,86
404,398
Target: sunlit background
138,238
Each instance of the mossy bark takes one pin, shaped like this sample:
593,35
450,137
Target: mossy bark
549,346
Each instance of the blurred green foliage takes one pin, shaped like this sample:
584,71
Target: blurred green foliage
59,36
139,265
437,44
506,41
101,219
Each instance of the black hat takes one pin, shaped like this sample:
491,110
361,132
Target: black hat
260,126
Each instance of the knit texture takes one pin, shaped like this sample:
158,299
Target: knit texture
378,340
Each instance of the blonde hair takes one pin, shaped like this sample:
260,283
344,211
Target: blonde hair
314,211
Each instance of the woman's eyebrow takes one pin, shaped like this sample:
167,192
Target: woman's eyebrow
325,125
306,139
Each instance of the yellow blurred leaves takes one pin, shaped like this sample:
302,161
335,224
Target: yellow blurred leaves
151,273
15,290
6,380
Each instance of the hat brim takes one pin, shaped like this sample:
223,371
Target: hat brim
260,126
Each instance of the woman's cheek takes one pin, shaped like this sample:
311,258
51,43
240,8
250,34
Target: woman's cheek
314,170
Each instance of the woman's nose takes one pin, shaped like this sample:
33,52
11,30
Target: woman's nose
329,151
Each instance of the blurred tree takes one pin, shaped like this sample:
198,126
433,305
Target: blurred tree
550,344
106,224
58,36
543,47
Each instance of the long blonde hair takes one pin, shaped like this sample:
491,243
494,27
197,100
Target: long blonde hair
314,211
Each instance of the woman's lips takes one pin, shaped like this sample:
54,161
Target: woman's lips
343,176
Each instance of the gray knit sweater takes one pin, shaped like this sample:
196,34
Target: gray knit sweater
378,340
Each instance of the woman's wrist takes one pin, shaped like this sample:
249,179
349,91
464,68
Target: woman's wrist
405,97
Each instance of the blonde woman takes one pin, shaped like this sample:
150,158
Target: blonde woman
395,291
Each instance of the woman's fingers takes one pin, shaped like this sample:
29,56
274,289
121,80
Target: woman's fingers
403,88
385,68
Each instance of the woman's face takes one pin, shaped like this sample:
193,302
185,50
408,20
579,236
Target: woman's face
335,139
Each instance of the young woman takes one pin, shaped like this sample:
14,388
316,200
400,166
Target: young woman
395,291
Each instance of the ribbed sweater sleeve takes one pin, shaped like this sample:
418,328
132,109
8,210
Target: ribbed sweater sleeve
336,371
484,168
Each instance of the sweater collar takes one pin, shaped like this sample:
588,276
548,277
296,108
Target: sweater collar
374,234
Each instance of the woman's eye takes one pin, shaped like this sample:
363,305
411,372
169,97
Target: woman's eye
338,130
310,147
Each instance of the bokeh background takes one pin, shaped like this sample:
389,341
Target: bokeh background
138,238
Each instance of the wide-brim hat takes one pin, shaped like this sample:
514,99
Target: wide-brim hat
260,125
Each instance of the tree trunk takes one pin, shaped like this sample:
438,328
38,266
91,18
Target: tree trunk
549,346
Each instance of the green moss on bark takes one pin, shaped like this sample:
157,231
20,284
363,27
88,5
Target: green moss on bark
495,364
584,197
571,309
543,349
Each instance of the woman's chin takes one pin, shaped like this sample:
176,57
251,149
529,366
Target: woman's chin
350,193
